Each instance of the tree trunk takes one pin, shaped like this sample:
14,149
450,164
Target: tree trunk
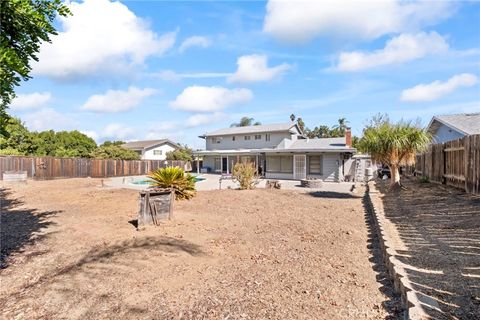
394,176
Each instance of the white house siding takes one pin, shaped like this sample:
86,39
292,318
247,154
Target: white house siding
331,168
227,142
149,153
445,133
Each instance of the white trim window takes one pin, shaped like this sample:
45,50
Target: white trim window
215,140
315,164
233,138
247,137
267,137
258,137
157,152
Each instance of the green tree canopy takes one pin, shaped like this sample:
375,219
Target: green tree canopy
113,151
246,122
25,24
184,154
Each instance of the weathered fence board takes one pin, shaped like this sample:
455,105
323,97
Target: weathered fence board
43,168
455,163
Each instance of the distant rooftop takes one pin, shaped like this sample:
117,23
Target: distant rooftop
274,127
144,144
468,123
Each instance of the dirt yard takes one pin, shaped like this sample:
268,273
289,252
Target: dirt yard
440,229
69,252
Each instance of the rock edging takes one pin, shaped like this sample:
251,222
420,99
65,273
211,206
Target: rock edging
411,299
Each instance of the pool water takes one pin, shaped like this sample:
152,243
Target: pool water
149,181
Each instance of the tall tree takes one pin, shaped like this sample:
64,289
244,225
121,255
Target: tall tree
339,129
25,24
393,144
246,122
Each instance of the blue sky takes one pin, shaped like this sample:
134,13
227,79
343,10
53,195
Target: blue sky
153,69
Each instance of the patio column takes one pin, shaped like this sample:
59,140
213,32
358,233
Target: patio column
256,163
228,169
198,164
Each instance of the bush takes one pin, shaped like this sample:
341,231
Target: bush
114,152
424,179
181,154
246,175
176,179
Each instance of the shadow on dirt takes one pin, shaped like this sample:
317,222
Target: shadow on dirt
19,226
393,304
440,226
333,195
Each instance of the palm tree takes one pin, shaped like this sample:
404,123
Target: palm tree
176,179
394,145
339,129
245,122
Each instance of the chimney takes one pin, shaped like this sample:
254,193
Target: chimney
348,137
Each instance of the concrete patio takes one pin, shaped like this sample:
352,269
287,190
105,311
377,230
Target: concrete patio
212,182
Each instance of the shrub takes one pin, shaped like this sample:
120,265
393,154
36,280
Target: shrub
246,175
176,179
424,179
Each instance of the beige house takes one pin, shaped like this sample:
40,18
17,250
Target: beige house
279,151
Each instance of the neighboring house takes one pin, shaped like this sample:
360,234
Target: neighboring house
453,126
152,149
279,151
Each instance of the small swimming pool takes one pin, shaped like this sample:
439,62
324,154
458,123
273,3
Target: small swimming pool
149,181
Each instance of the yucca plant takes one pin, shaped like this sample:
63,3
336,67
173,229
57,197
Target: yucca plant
176,179
394,144
246,175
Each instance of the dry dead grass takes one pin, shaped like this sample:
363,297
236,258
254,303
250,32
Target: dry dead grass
262,254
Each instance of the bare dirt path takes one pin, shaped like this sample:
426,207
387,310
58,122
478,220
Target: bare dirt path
69,252
440,230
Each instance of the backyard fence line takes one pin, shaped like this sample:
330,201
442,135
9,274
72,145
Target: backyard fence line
455,163
44,168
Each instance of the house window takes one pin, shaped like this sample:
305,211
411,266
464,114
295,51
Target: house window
282,164
215,140
315,164
233,138
258,136
157,152
267,137
247,137
218,164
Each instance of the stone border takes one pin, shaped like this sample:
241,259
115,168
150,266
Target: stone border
411,299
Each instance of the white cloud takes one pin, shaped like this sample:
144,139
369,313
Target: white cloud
254,68
117,131
204,118
31,101
301,21
46,119
208,99
100,37
90,133
438,89
117,100
195,41
169,75
403,48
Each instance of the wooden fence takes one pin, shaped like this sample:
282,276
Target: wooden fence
42,168
455,163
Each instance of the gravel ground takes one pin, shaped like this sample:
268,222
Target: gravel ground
69,252
439,227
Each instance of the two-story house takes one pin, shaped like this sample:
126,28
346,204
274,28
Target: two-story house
279,151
